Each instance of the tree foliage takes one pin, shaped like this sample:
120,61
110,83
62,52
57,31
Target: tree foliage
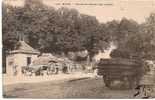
66,30
138,40
52,30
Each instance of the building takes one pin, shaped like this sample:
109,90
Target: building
22,55
54,62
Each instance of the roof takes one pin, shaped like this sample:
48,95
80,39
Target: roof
42,61
23,47
45,60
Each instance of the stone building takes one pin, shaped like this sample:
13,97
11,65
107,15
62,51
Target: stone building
22,55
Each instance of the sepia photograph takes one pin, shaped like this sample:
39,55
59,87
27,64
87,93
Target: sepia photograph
78,49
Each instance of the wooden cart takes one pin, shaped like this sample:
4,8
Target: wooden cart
120,73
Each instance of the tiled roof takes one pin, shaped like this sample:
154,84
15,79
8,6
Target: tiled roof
23,47
45,60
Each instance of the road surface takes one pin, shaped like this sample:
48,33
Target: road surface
82,88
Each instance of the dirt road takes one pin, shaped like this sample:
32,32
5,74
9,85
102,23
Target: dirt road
83,88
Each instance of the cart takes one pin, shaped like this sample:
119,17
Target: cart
119,73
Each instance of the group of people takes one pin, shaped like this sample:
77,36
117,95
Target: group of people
45,69
55,69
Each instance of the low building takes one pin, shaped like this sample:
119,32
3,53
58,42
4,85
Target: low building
22,55
51,61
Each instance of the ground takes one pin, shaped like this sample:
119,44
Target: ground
74,88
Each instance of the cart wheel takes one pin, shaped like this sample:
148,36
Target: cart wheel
133,81
107,81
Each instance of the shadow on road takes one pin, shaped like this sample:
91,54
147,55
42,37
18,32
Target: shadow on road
72,80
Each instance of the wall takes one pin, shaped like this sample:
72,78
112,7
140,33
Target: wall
18,60
9,59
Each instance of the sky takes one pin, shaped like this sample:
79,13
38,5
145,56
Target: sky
105,10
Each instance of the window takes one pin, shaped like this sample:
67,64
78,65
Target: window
28,60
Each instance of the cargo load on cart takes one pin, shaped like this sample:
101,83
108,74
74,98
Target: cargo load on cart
120,73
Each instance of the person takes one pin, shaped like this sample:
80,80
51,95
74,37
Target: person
50,69
65,69
14,70
57,69
95,70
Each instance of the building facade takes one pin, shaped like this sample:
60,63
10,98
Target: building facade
22,56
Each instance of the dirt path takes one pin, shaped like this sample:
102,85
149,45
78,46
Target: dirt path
8,80
83,88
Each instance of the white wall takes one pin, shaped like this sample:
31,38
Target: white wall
19,60
9,70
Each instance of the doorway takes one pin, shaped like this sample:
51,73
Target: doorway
28,60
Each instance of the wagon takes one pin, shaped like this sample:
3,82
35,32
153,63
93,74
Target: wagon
120,73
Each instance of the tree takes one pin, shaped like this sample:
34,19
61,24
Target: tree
49,30
139,42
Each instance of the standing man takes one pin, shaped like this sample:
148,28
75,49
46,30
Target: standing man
14,70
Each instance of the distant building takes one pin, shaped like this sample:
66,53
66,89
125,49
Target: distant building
47,60
23,55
